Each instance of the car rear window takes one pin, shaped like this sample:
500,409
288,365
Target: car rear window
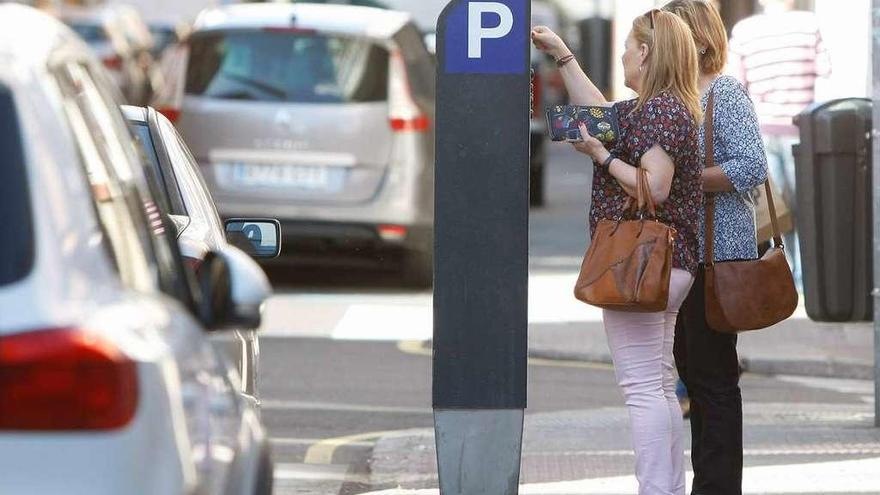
285,65
91,33
17,245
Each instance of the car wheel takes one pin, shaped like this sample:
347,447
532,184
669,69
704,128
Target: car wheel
418,269
536,184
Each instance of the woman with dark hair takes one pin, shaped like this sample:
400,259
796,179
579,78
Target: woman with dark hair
658,134
707,360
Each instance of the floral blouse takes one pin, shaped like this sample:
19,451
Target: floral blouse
739,151
665,121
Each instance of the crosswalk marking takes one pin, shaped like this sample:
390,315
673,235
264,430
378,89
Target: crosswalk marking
405,316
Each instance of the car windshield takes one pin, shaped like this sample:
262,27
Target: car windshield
17,247
162,36
91,33
284,65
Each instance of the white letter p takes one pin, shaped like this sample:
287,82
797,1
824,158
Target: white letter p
477,33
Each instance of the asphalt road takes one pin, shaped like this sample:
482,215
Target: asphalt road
343,362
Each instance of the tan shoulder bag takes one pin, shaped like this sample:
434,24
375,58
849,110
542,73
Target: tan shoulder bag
749,294
629,262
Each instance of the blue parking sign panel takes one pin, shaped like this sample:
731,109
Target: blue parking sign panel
487,37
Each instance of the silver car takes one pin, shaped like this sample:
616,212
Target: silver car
321,116
182,195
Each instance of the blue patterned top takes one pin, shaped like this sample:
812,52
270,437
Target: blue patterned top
739,151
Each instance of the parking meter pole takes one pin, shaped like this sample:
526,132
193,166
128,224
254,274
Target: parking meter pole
875,29
481,244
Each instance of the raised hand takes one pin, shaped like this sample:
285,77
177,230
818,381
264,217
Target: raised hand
549,42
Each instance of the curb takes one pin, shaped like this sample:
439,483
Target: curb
763,366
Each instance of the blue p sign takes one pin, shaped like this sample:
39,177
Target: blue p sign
487,38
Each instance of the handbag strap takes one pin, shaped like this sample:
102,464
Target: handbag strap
709,139
644,203
648,203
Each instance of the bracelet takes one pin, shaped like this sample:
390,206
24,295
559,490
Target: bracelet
608,160
561,61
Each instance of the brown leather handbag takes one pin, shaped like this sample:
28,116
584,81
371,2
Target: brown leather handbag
745,294
629,262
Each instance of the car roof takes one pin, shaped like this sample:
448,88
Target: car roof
134,114
424,12
28,37
343,19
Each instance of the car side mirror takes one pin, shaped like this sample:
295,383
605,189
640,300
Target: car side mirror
234,290
215,292
258,237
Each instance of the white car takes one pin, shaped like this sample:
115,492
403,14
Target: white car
108,383
182,194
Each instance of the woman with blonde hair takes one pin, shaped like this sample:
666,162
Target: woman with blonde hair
707,360
658,133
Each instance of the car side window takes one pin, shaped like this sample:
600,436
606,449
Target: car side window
137,236
109,191
189,178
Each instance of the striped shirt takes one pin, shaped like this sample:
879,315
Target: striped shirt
778,58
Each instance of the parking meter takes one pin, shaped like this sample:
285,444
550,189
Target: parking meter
481,244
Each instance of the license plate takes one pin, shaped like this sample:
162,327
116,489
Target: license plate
313,178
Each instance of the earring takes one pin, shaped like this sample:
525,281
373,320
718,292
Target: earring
640,69
703,51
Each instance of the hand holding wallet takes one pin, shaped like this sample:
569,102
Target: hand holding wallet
601,122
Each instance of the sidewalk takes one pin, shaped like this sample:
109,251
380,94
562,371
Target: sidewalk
797,346
791,449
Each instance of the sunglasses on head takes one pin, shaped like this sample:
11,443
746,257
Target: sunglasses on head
650,15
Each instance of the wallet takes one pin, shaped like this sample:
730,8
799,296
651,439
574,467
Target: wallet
601,122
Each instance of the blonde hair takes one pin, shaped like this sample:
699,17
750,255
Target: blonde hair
708,30
672,63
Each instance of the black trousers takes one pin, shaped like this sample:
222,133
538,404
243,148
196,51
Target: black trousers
708,365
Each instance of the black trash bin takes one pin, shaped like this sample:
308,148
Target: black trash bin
834,209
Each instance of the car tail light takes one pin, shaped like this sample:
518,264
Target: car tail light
537,90
404,114
65,379
392,232
172,114
112,62
419,123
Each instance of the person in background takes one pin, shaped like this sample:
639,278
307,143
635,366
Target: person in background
707,360
778,55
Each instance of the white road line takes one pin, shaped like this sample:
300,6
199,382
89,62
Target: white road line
842,385
306,472
287,441
861,449
332,406
407,316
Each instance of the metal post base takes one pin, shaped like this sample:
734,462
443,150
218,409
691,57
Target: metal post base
478,451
